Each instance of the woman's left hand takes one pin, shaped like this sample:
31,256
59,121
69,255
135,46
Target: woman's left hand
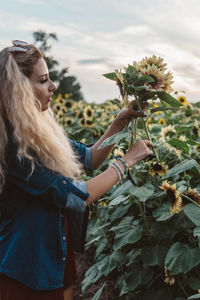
125,115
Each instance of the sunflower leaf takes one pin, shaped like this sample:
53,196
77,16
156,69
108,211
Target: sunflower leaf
196,296
114,139
183,166
181,258
152,110
99,292
144,79
193,213
168,99
110,76
179,145
141,88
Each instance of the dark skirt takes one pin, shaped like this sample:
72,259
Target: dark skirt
11,289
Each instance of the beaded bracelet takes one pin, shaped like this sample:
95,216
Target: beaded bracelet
119,168
124,163
118,172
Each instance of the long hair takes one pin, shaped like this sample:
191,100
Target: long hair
32,128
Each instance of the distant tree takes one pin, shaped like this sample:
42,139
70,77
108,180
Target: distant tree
65,83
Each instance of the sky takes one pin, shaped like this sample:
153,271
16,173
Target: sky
99,36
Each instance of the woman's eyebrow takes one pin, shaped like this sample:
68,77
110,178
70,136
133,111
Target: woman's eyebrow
43,75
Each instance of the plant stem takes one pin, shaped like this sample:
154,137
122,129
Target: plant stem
147,227
146,129
182,288
188,198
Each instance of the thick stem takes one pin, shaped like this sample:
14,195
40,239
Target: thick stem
188,198
146,129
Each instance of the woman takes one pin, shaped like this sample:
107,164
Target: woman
40,190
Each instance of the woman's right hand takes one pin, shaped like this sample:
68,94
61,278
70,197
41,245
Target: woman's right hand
139,151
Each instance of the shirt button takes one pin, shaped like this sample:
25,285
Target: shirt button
64,181
62,216
63,237
63,258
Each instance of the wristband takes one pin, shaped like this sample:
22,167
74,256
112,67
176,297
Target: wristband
118,172
124,163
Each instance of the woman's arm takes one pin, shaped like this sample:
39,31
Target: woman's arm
102,183
121,121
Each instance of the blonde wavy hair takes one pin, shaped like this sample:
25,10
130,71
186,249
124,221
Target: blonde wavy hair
32,128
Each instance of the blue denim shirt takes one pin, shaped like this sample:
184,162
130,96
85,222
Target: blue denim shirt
32,228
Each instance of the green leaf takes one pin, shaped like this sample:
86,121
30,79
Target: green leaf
110,76
91,276
161,108
99,292
168,99
196,296
114,139
179,145
141,88
144,79
194,283
137,275
181,259
127,231
181,167
154,256
163,212
143,192
118,200
193,213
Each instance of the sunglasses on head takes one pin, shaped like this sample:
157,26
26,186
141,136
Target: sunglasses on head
18,46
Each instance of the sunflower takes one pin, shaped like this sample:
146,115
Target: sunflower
162,121
192,193
182,138
89,123
168,130
148,122
154,60
88,112
158,169
174,196
68,121
182,100
156,106
69,104
155,68
168,278
118,152
57,107
82,122
57,99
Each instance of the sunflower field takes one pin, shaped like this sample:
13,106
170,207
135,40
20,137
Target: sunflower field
146,233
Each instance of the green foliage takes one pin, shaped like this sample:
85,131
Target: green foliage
132,229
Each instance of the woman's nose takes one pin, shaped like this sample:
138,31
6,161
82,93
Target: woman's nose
52,86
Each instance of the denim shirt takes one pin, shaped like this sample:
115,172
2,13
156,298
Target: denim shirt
32,228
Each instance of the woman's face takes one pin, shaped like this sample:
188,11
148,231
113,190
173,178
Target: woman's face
42,85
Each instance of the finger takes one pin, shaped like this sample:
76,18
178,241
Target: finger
137,114
148,143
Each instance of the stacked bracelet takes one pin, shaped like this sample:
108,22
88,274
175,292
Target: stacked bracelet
124,163
116,167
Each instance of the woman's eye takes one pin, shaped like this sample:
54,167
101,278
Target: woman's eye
43,81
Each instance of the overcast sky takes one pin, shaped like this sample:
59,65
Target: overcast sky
99,36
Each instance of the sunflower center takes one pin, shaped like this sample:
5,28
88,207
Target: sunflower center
157,167
182,100
89,113
68,104
171,195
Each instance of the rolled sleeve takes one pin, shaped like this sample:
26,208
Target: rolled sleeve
74,202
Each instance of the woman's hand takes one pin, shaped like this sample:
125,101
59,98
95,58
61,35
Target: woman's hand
124,117
139,151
